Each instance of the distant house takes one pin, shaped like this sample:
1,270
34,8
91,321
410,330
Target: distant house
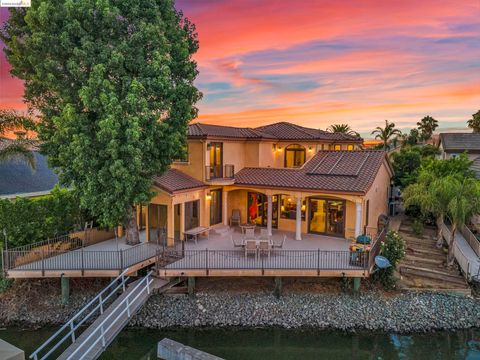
17,179
454,144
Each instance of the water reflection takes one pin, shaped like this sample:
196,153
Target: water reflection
282,344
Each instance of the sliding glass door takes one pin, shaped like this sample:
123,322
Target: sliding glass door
216,207
327,217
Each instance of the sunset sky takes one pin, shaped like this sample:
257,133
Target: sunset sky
317,62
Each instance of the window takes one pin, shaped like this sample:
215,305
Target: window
183,156
337,147
294,156
288,207
350,147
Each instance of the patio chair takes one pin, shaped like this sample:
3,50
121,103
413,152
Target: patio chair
249,234
280,245
264,247
264,234
235,217
250,247
235,244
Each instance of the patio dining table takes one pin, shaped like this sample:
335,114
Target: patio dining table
194,232
246,226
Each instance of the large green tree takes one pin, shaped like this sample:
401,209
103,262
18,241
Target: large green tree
112,81
474,122
427,126
386,133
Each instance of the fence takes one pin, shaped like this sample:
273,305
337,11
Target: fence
471,239
80,259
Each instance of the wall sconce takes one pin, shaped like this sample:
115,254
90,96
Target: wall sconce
310,149
279,148
208,197
274,147
209,146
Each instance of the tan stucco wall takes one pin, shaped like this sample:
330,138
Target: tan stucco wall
378,197
195,166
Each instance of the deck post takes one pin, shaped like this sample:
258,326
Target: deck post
356,284
65,284
191,286
278,286
269,214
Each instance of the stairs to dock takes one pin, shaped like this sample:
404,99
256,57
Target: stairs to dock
424,266
111,317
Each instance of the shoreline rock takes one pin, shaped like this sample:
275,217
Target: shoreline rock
402,313
369,311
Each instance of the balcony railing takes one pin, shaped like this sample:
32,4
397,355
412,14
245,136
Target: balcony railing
219,172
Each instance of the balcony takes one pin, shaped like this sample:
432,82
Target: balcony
221,175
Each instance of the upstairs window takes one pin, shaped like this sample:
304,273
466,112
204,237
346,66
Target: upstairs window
337,147
294,155
350,147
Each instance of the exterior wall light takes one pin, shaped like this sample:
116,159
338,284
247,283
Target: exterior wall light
310,149
208,197
274,147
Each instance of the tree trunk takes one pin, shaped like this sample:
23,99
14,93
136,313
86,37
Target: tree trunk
439,231
133,237
451,256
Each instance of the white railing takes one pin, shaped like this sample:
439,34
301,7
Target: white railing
462,260
98,302
99,333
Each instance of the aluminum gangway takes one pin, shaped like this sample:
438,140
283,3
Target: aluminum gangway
107,314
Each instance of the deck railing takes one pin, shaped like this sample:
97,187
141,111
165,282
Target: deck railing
80,259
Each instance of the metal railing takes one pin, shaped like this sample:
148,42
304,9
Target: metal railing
95,306
79,259
471,239
124,307
219,172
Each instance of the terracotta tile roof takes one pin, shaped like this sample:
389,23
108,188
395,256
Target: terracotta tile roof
459,142
337,171
289,131
174,180
276,131
205,130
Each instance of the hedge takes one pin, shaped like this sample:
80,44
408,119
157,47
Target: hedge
27,221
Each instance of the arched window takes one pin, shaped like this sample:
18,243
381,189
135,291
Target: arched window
294,155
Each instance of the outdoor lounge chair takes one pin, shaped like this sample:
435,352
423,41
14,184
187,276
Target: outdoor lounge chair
235,244
279,246
264,247
250,247
235,217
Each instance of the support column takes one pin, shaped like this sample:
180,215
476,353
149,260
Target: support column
278,286
358,219
171,224
147,223
269,214
191,286
298,219
65,284
225,207
356,284
182,220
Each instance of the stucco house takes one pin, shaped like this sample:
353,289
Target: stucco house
454,144
280,176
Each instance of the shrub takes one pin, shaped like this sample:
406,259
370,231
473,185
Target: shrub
27,221
393,248
418,226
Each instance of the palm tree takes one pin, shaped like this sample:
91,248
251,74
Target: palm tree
18,148
464,203
342,129
427,126
474,122
432,196
386,133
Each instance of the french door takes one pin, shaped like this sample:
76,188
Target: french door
257,209
216,207
327,217
216,160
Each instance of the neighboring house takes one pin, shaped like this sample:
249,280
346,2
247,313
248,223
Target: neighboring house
454,144
17,179
280,176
